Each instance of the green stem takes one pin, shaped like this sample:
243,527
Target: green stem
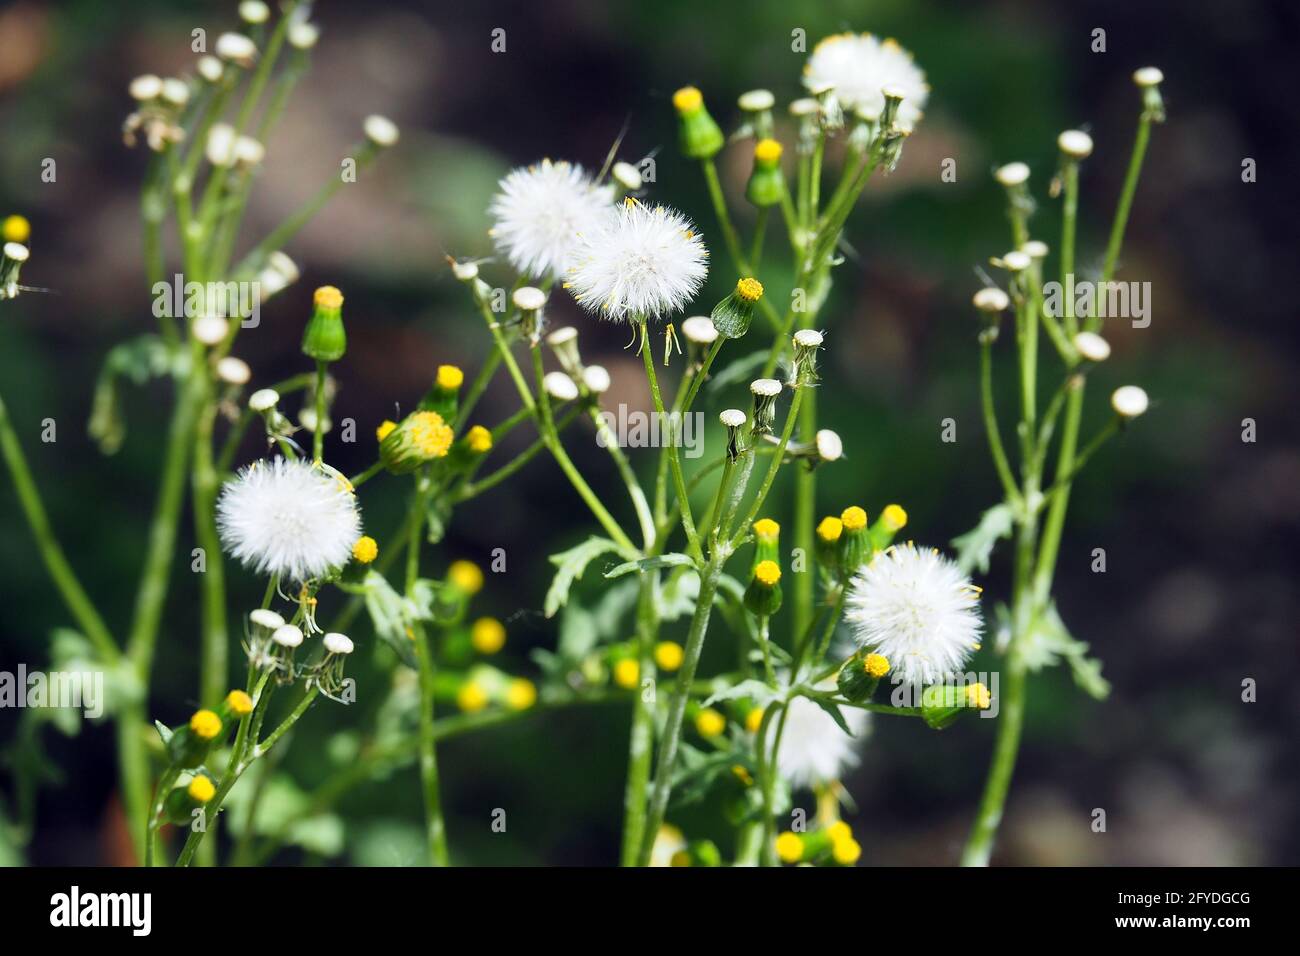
674,460
979,846
640,749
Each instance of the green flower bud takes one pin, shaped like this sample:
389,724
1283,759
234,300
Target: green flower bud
766,183
827,544
325,339
892,520
763,596
698,134
190,743
855,542
732,316
444,396
860,676
421,437
943,704
180,804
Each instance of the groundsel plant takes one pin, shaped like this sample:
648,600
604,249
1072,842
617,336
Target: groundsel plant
689,559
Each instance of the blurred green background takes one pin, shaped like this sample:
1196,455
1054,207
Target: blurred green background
1200,529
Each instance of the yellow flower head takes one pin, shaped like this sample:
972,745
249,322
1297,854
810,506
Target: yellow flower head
846,852
479,440
894,517
466,576
766,528
205,724
767,151
239,703
854,518
688,99
16,229
839,830
710,723
488,635
767,573
201,789
471,697
789,847
668,655
626,673
521,694
876,665
384,429
430,434
754,720
751,290
328,297
977,695
450,377
830,529
365,550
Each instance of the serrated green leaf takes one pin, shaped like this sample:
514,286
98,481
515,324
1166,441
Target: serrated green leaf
388,612
671,560
835,714
976,546
569,567
757,691
164,731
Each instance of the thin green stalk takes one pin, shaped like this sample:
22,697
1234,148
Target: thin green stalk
979,846
640,750
318,433
674,460
991,423
729,236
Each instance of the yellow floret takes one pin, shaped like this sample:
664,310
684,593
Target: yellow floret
710,723
384,429
488,635
839,830
789,847
767,151
479,440
766,528
894,517
767,573
205,724
668,655
466,576
521,694
854,518
471,697
846,851
877,665
830,529
977,695
688,99
239,703
16,229
754,720
450,377
328,297
365,550
201,789
626,673
430,434
751,290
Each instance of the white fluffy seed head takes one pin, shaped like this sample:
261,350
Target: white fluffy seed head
808,338
765,387
287,636
627,176
1148,76
700,330
1075,143
814,750
756,101
381,131
337,643
638,261
175,92
1129,401
1012,174
529,298
991,299
236,48
210,329
233,371
288,518
1092,346
560,387
145,88
209,67
264,617
220,147
859,67
539,212
732,417
829,445
916,608
263,400
596,378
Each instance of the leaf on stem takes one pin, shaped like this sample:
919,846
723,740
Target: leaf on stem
976,546
570,565
671,560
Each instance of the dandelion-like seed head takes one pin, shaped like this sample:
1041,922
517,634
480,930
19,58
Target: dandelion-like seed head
917,609
539,212
288,518
814,750
858,66
639,261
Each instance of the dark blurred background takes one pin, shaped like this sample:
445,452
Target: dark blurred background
1199,528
